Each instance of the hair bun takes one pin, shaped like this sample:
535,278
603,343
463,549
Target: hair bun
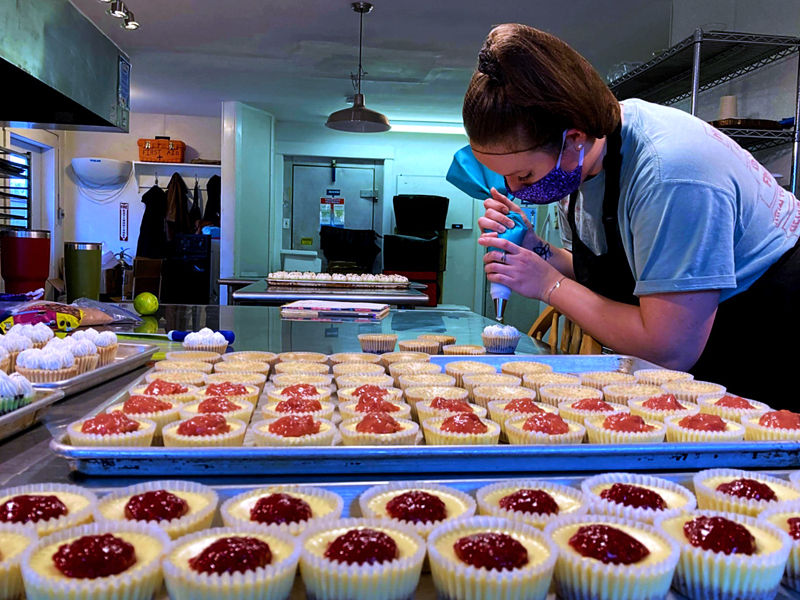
490,66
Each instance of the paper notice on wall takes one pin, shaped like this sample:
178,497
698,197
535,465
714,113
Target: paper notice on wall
123,221
331,212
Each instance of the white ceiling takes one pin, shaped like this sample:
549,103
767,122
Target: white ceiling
295,58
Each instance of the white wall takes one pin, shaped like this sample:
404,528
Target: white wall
86,221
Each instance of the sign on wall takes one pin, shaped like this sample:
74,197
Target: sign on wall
123,221
331,212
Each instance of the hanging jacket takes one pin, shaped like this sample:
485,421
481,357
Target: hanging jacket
153,230
213,193
195,213
177,208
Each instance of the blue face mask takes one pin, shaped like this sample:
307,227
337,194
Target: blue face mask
554,186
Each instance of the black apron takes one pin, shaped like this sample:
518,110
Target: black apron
762,313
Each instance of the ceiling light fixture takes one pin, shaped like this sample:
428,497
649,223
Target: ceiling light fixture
118,9
440,128
359,119
106,1
130,23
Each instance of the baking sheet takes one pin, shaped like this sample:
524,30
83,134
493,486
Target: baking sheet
352,462
335,284
129,358
27,416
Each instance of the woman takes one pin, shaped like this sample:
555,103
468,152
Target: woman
680,245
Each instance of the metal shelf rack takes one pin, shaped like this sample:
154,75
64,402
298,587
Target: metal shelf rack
15,189
710,58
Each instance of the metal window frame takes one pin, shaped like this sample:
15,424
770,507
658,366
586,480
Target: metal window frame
6,216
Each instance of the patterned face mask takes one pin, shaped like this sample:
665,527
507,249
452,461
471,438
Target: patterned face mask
554,186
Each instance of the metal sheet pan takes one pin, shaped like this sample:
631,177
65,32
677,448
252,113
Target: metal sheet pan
354,462
129,357
27,416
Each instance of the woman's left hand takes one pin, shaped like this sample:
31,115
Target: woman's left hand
521,270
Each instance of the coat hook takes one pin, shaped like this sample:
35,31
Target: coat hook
156,177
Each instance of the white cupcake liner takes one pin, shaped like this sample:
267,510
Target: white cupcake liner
275,395
219,347
426,380
414,395
341,357
235,437
211,358
347,395
11,585
328,580
462,350
578,577
566,411
193,378
500,344
357,368
405,368
440,339
287,379
244,414
660,376
424,346
271,582
326,412
597,434
183,398
143,437
390,358
520,368
533,519
637,408
534,381
600,379
47,375
175,528
709,498
791,577
455,579
423,529
263,437
460,368
50,526
601,506
489,380
689,390
354,381
301,368
714,575
251,396
501,416
108,354
160,418
425,412
138,583
377,343
169,366
434,436
622,393
406,437
554,395
315,357
334,501
243,366
706,402
251,355
676,433
755,432
348,410
517,436
87,363
483,395
5,364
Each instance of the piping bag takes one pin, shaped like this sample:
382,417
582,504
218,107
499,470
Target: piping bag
499,292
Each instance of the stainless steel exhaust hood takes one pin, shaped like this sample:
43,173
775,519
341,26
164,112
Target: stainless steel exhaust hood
57,70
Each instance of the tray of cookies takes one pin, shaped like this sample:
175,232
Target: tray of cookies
337,280
673,536
417,413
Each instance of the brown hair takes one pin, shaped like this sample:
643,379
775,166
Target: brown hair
529,87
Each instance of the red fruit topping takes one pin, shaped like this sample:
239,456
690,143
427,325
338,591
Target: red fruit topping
232,555
523,405
794,527
627,423
32,508
217,404
295,426
464,423
417,507
109,424
371,405
159,505
203,425
378,423
159,387
749,489
226,388
142,405
94,556
608,544
448,405
370,392
634,496
780,419
719,534
280,508
733,402
298,405
536,502
593,404
703,422
299,391
548,423
665,402
492,551
362,547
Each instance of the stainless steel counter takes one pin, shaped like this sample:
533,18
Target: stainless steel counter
263,294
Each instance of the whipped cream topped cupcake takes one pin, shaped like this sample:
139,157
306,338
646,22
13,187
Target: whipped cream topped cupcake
107,346
40,334
15,392
15,344
206,340
5,359
43,366
86,353
501,339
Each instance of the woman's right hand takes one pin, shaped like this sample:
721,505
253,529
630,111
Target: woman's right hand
495,219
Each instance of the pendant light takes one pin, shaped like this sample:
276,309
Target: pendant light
359,119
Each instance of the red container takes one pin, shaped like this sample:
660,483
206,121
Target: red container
24,259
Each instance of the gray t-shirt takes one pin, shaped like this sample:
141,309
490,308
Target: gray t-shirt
696,211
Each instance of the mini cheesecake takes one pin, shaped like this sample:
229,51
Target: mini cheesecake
415,395
786,517
46,507
251,355
194,356
358,408
744,492
600,379
390,358
580,409
232,391
193,378
531,501
357,368
356,381
378,429
460,429
623,428
405,368
242,411
622,393
205,431
689,390
288,379
543,429
660,407
243,366
301,367
488,380
171,391
772,425
294,430
112,429
153,408
369,391
463,350
14,540
535,381
407,382
502,410
731,407
555,395
660,376
444,407
703,427
459,368
520,368
301,391
342,357
179,366
313,357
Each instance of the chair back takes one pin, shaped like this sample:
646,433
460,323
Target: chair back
572,339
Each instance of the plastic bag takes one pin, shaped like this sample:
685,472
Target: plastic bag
471,177
115,314
64,317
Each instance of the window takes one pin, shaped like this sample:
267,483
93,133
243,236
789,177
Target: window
15,189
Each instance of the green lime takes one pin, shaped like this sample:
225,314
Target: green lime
148,325
145,303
